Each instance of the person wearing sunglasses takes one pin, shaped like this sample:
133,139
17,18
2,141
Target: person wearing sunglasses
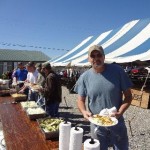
105,86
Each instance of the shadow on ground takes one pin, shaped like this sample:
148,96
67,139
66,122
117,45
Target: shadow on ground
65,107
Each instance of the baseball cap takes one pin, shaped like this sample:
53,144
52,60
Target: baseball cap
30,64
38,65
97,48
46,65
20,63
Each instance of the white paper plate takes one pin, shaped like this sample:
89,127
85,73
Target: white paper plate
115,121
19,82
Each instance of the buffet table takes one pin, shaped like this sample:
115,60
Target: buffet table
19,131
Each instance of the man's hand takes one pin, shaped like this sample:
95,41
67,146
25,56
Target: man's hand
41,90
21,91
86,114
82,107
116,114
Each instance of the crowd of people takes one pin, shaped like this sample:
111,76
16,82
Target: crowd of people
103,85
49,92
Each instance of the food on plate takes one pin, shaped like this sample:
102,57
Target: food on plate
29,84
103,120
50,124
35,86
19,82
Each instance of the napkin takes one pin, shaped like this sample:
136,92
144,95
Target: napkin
108,112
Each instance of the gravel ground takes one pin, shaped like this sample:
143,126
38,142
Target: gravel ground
139,118
139,133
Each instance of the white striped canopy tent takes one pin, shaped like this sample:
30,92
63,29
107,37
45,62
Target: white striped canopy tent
128,43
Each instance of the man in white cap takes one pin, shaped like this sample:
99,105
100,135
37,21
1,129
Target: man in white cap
30,80
104,85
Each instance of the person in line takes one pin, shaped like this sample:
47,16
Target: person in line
52,91
104,86
41,82
30,80
20,74
41,75
13,72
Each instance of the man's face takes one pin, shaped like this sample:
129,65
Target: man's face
28,68
31,68
20,66
96,59
45,71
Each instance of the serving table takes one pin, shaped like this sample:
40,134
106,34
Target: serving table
19,131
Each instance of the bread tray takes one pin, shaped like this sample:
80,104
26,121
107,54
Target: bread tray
19,97
28,104
35,116
5,92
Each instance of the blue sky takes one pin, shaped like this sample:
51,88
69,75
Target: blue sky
56,26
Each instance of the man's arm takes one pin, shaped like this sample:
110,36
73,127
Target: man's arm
126,103
82,107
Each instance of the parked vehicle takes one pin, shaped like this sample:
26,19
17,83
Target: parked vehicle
139,74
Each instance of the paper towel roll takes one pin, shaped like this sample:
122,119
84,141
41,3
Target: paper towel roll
76,136
91,146
64,135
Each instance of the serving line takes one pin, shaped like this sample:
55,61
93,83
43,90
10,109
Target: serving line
19,131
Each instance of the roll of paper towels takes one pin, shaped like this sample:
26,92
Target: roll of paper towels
76,136
91,144
64,135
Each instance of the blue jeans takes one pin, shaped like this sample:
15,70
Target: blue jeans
115,136
52,109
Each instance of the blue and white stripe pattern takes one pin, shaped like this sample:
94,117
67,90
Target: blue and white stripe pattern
126,44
